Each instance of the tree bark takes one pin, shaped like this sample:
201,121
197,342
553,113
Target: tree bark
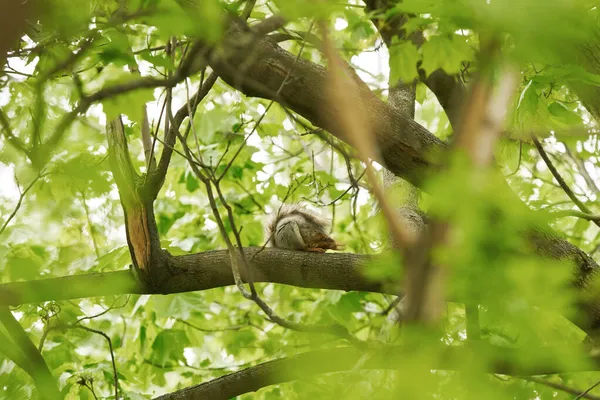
407,149
208,270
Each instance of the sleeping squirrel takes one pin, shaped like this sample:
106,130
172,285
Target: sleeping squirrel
297,228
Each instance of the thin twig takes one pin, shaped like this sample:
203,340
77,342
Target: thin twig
21,197
563,388
89,222
112,355
584,393
560,180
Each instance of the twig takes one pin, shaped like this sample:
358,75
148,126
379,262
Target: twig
10,137
392,305
575,213
584,393
343,94
89,222
560,180
112,355
283,82
21,197
157,179
563,388
520,158
583,171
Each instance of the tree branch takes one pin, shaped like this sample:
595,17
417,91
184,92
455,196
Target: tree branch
208,270
502,361
561,181
157,179
40,373
407,149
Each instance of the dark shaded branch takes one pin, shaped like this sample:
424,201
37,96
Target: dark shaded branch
408,150
112,355
502,361
265,67
562,388
8,134
203,271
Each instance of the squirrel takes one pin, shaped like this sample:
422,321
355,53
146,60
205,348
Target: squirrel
297,228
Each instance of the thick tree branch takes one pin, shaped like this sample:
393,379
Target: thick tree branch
208,270
448,89
502,361
407,149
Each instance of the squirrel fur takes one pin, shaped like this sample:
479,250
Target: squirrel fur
297,228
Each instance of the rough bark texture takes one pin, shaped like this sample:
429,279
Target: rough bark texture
203,271
407,149
339,271
401,96
140,225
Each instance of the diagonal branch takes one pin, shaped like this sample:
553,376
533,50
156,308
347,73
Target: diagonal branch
561,181
20,201
158,177
407,149
501,361
8,134
40,373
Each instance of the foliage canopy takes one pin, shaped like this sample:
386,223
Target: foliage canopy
158,136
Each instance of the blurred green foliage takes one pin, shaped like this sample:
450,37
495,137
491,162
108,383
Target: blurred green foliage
71,221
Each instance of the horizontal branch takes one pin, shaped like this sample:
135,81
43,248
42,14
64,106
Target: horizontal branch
576,214
502,361
208,270
68,287
407,149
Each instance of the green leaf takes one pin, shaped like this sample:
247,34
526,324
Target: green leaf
404,57
191,182
202,19
24,262
117,50
308,9
445,53
562,116
130,103
168,346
